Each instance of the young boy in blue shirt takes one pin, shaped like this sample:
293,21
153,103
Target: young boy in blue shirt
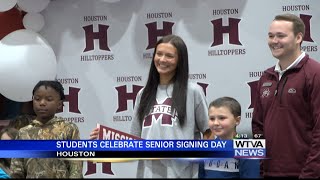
224,117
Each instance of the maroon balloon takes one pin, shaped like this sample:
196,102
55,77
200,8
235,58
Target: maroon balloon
10,21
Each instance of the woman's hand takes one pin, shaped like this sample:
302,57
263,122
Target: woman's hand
94,134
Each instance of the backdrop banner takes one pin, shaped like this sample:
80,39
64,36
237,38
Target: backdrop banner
104,50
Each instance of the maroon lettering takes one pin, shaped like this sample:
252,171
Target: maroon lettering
204,87
232,30
73,100
92,168
161,112
253,91
124,96
154,33
306,20
101,35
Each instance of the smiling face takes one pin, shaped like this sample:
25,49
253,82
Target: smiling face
282,41
46,102
166,60
222,122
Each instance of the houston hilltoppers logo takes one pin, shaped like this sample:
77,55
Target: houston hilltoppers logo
73,99
154,32
253,92
101,35
232,30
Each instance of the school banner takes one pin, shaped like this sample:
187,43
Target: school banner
104,50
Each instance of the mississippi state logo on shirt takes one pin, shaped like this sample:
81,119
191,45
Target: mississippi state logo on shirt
161,113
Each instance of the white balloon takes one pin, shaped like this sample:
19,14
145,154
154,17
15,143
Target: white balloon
25,59
33,21
33,6
6,5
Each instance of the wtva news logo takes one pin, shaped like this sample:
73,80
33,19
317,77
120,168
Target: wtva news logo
249,148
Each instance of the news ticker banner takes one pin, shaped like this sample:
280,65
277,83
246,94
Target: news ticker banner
237,148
